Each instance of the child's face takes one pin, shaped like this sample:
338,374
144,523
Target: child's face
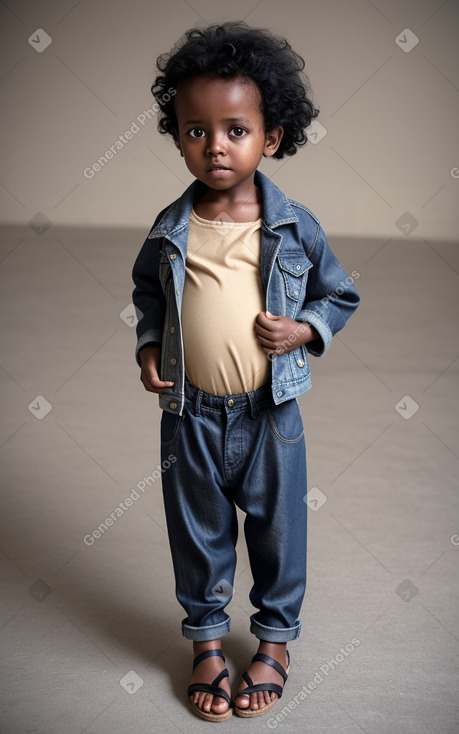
221,130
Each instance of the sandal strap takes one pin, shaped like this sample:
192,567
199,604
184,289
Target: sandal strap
261,687
251,688
207,654
205,688
220,676
260,656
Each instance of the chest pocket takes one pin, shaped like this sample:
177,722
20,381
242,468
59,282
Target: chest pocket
295,272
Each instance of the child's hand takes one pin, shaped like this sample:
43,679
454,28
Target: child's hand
279,334
150,359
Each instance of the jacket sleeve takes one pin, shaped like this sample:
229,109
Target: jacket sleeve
331,297
147,296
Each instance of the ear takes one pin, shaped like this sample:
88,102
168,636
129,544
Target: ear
272,140
177,141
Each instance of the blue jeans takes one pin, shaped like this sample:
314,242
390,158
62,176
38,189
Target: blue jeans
236,450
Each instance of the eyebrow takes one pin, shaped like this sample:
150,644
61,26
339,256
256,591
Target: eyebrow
224,119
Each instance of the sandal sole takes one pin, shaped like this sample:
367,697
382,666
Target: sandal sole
210,716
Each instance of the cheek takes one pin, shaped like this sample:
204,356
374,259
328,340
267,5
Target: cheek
193,145
188,150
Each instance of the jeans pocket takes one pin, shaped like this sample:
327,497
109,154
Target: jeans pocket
170,424
286,422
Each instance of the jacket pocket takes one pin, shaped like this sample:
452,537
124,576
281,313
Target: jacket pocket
294,272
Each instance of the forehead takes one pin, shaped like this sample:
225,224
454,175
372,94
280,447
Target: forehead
207,96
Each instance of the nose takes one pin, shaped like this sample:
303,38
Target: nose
215,145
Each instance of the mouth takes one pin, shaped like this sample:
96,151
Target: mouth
217,168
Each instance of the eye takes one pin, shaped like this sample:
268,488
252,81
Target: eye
196,132
238,132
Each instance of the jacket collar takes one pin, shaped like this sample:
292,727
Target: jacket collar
277,209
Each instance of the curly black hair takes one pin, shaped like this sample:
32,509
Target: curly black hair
235,49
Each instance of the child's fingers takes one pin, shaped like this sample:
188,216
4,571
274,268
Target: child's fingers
152,383
266,341
263,325
261,331
266,329
264,337
264,320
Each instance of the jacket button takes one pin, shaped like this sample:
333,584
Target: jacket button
172,330
279,393
300,363
177,292
173,361
298,267
173,406
172,257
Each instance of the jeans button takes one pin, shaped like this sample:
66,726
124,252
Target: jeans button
230,403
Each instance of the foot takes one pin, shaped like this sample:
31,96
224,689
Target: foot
262,673
205,672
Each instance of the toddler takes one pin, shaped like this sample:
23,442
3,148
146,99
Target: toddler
235,285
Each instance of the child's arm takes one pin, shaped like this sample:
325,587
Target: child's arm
331,299
149,300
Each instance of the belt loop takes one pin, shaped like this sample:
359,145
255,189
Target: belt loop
197,402
253,404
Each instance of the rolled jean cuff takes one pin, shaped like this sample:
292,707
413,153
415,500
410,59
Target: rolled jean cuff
210,632
274,634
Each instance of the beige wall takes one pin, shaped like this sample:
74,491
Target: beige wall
391,117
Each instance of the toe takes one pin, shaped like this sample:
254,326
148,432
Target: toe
207,705
270,697
243,701
219,705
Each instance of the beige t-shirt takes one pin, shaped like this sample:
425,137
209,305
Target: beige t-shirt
222,296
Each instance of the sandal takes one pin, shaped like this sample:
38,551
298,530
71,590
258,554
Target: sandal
213,688
271,687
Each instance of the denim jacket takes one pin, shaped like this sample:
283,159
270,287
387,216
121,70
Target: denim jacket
301,278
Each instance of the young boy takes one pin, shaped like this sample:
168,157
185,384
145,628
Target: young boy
235,284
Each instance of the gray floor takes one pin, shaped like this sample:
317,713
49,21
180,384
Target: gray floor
90,634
